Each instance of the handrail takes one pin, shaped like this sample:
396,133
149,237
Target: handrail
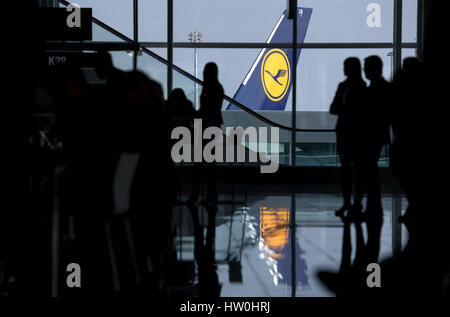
198,81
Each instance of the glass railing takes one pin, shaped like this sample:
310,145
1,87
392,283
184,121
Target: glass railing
269,139
100,34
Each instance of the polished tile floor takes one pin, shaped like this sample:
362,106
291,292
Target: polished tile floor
253,243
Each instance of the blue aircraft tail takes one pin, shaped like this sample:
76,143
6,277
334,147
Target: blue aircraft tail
268,82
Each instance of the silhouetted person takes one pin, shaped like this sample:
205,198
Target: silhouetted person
371,130
105,68
430,121
181,110
211,98
70,93
18,217
346,105
409,98
417,92
93,146
210,113
374,132
146,133
420,95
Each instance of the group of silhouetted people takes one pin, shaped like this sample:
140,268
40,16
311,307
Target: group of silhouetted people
405,115
362,130
118,188
129,116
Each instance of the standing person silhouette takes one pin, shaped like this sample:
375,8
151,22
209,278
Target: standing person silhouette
346,105
408,98
374,130
211,114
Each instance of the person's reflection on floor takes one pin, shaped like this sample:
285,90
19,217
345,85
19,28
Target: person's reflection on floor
204,253
346,258
360,261
374,226
350,280
339,282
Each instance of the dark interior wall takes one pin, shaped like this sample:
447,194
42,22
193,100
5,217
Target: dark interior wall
47,3
435,30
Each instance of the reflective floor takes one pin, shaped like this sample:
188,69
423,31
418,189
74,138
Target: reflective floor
257,253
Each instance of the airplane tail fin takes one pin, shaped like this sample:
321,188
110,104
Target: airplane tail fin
268,82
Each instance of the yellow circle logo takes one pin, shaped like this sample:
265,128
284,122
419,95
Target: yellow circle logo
275,74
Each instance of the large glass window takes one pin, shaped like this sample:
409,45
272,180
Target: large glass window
253,20
239,36
100,34
122,60
235,35
118,14
409,21
409,52
321,70
154,69
227,21
350,21
234,64
153,20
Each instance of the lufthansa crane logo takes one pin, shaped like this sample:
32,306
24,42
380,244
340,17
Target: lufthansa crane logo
275,74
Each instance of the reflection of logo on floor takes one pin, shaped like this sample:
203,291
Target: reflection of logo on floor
275,247
274,230
275,74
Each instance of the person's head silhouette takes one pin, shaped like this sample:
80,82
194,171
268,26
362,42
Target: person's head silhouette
412,65
211,73
352,68
176,96
373,67
104,64
138,87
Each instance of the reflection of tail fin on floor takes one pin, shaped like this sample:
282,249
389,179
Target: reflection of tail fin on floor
268,82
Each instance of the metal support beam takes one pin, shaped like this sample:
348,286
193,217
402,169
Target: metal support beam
294,85
293,141
397,35
293,241
135,31
420,28
90,46
48,3
169,45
